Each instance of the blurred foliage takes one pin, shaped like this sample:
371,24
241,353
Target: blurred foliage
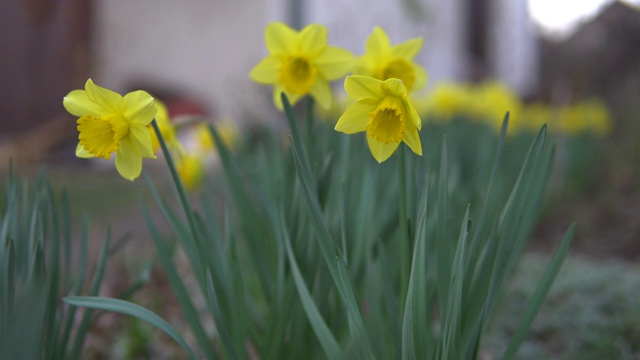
592,311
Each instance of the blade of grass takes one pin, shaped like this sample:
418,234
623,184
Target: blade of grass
323,333
95,287
221,324
131,309
179,289
417,289
443,241
327,246
81,270
539,295
451,341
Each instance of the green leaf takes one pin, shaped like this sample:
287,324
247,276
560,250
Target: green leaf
452,321
416,294
539,295
131,309
179,289
443,241
221,324
323,333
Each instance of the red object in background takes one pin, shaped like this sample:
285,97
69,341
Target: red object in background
185,107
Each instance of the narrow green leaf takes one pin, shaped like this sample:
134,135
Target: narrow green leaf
95,287
443,241
322,331
221,324
451,341
539,295
353,312
416,294
131,309
179,289
82,272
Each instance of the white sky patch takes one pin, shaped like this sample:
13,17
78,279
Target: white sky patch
560,17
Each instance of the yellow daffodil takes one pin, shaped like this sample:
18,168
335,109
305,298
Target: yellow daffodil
383,110
383,61
301,63
110,123
586,116
204,140
190,168
446,101
167,130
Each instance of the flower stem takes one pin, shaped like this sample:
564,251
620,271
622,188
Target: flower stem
309,118
182,194
404,225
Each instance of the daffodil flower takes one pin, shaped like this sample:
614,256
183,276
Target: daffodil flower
110,123
301,63
383,61
190,168
167,130
383,110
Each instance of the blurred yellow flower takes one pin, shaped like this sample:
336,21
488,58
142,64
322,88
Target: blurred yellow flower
301,63
383,110
190,168
383,61
167,130
204,140
586,116
446,100
490,101
537,114
110,123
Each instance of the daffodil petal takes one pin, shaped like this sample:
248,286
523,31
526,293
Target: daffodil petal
381,151
395,87
141,140
277,100
82,153
421,77
140,107
78,103
364,65
377,43
128,161
412,139
312,39
412,114
279,38
363,87
407,49
356,117
321,92
334,62
267,71
109,100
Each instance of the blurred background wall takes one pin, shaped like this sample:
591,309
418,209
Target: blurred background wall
203,50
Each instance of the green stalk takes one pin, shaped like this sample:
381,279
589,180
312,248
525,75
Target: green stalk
404,230
182,194
309,118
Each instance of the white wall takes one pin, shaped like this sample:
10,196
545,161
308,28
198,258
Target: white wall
202,47
438,22
206,48
513,46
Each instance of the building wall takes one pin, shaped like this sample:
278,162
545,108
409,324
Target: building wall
207,48
200,47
